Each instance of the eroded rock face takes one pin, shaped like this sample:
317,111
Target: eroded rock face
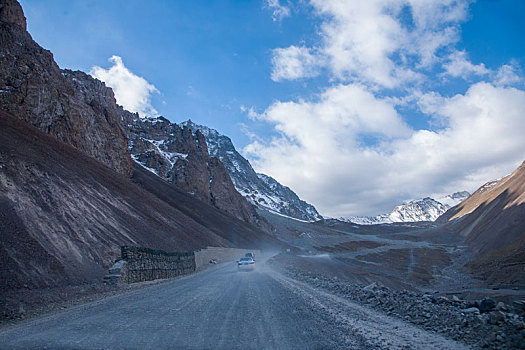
11,12
71,106
181,157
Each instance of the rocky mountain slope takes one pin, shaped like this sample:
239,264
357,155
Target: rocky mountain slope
492,221
426,209
64,215
181,157
70,194
33,88
261,190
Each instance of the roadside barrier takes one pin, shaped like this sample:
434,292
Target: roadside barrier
139,264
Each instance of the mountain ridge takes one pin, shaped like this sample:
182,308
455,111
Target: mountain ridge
34,89
70,193
260,189
425,209
179,156
492,222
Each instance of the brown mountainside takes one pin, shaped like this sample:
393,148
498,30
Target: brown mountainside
81,111
33,88
64,215
492,220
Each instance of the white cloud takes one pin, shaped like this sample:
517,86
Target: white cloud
293,63
378,42
279,11
320,151
508,74
458,65
250,112
348,150
131,91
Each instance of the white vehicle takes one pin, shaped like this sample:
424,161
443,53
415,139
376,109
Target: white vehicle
246,264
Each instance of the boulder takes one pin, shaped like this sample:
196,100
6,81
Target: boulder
496,317
471,310
487,305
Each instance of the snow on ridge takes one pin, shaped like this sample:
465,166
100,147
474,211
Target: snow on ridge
286,216
154,171
454,199
426,209
171,157
259,189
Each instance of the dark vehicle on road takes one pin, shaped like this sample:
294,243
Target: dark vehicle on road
250,255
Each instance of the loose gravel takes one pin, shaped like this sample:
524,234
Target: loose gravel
482,324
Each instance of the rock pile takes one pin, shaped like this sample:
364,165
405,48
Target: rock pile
480,324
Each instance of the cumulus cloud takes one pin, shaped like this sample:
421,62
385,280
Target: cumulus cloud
378,42
458,65
508,74
278,11
350,150
131,91
293,63
320,150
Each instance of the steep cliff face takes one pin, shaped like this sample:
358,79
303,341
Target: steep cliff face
11,12
71,106
259,189
181,157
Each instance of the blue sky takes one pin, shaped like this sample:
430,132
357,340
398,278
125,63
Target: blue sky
356,105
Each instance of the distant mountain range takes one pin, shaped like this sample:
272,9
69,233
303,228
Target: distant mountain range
261,190
426,209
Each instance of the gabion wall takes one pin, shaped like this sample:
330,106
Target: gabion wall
143,264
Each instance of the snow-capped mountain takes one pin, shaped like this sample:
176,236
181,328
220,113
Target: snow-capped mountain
454,199
180,156
426,209
259,189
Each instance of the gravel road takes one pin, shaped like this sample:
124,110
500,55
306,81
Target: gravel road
222,308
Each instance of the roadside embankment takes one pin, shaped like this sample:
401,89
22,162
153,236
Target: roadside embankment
482,323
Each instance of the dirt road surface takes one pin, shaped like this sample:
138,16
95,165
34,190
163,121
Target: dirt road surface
222,308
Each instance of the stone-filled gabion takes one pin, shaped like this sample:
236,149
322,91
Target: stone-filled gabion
144,264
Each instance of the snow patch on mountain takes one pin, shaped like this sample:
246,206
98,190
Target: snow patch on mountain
261,190
454,199
426,209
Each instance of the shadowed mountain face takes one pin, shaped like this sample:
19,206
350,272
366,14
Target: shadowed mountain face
34,89
181,157
64,215
492,220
